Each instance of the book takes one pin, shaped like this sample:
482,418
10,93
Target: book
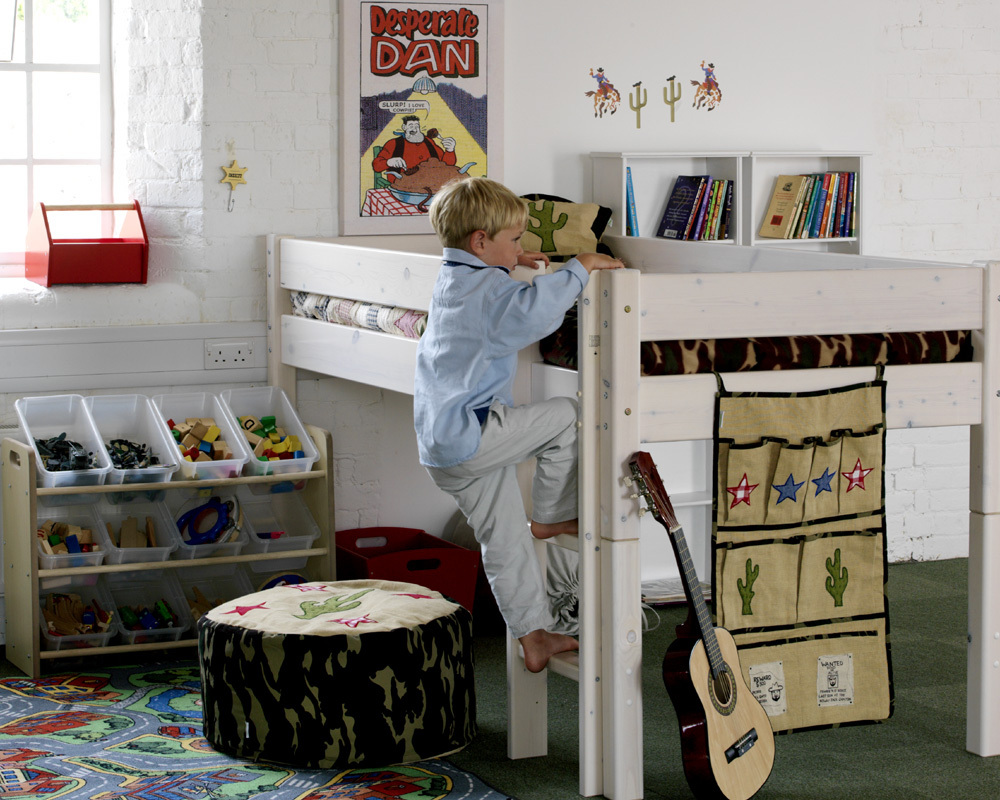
778,219
807,196
698,227
817,188
727,211
838,227
682,200
830,211
631,221
814,231
849,212
720,199
797,211
713,204
689,228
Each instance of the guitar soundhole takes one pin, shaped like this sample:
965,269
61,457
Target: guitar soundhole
722,688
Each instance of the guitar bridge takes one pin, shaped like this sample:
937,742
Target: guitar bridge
741,745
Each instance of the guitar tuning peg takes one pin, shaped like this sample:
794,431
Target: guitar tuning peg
634,496
642,511
627,480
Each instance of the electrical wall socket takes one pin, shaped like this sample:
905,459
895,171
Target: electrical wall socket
223,354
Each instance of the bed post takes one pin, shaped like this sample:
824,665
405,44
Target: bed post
621,592
982,722
278,374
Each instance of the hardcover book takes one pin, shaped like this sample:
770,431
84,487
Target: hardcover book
680,206
781,210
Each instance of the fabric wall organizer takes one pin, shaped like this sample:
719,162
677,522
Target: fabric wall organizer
799,551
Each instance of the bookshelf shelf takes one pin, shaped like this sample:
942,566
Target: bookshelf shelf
753,173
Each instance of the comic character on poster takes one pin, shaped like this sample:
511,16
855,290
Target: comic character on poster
423,96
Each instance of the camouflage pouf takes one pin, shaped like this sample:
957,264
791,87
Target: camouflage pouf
337,675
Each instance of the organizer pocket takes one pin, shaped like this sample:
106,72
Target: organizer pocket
842,576
748,476
823,488
760,583
861,472
790,484
833,675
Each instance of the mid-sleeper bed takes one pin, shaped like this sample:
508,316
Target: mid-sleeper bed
676,291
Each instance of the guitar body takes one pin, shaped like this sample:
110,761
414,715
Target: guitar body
712,721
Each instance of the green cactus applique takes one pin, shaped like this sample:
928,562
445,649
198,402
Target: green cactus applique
547,225
837,582
332,605
746,592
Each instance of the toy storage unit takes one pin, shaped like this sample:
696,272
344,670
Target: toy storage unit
409,555
121,259
144,572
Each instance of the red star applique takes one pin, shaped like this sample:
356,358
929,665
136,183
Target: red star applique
414,596
305,587
241,610
353,622
741,492
856,476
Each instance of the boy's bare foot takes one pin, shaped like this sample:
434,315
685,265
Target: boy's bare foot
546,530
539,646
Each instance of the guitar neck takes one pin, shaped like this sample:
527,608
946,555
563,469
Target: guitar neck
696,597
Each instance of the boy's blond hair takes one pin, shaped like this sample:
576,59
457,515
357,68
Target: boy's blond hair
475,204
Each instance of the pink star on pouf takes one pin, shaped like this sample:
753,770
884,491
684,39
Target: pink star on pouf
305,587
241,610
414,596
353,622
741,492
857,476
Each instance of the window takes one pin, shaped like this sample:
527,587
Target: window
55,132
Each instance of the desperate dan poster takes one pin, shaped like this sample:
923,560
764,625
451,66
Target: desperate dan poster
421,106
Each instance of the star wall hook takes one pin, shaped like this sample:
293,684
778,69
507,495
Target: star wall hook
234,175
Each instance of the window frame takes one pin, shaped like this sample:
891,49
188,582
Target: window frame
12,262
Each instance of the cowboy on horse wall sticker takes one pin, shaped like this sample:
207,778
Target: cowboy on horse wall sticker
606,97
708,94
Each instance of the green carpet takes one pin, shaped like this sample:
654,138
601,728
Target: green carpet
918,753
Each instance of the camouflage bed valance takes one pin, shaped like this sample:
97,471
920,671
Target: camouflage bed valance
692,356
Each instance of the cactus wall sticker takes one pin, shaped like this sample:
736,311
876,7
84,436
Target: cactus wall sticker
837,582
746,590
547,226
673,95
637,101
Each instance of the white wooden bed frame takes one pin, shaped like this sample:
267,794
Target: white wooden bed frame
679,291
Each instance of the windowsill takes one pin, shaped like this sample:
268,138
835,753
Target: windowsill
26,305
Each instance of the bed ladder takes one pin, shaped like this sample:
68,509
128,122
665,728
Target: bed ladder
610,710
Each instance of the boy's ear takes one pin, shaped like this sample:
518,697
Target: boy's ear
477,241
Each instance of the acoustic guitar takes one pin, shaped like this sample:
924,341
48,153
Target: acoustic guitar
726,739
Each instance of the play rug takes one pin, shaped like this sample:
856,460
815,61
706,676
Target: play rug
135,733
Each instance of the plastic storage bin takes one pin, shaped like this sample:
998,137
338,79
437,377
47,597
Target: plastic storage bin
411,555
272,401
46,417
218,583
179,504
142,590
90,588
179,407
163,525
287,513
86,517
132,417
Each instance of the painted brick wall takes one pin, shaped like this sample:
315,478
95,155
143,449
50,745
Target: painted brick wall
933,196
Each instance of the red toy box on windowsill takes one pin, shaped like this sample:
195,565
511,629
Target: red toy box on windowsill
121,259
409,555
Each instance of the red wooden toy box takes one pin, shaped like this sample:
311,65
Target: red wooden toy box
121,259
409,555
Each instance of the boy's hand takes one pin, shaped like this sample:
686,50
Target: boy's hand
530,259
592,261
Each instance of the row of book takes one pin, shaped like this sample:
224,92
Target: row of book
699,209
814,206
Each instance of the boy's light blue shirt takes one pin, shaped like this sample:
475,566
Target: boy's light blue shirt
479,318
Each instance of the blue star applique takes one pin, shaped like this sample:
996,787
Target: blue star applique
788,489
823,482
